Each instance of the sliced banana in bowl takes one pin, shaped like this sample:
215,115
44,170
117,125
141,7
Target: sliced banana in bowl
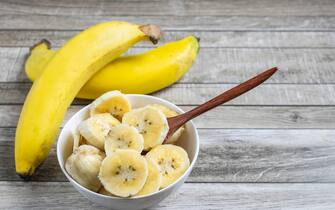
84,166
154,179
113,102
150,122
96,128
124,172
77,140
172,160
126,178
169,113
103,191
123,137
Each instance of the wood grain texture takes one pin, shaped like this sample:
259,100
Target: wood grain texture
229,116
216,39
229,155
222,65
21,21
195,94
270,139
32,195
171,7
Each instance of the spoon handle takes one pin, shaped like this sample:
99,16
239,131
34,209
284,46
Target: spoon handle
177,121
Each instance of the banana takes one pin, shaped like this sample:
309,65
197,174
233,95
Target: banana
113,102
150,122
84,165
39,56
77,140
123,137
63,76
96,128
154,179
173,161
142,73
124,173
103,191
170,113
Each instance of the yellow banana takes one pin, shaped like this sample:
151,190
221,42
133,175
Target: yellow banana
62,78
143,73
38,58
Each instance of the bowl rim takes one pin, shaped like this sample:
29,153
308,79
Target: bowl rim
187,172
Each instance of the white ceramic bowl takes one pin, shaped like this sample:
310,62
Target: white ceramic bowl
189,141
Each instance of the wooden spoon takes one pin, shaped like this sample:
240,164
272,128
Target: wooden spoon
178,121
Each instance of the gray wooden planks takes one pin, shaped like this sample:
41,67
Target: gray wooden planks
45,195
228,155
171,7
229,116
199,23
181,15
216,39
195,94
222,65
239,39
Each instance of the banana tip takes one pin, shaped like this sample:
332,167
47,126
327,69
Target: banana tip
43,41
154,32
24,177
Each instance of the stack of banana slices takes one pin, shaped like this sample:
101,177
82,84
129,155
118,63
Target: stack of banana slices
109,146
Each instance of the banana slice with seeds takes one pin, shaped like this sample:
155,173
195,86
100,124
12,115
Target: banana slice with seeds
154,179
173,161
123,137
113,102
96,128
84,165
150,122
124,172
169,113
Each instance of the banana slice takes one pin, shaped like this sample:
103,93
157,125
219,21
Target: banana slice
124,172
113,102
77,140
104,191
169,113
150,122
123,137
84,165
154,179
96,128
172,160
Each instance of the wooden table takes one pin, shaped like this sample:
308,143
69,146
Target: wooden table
273,148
